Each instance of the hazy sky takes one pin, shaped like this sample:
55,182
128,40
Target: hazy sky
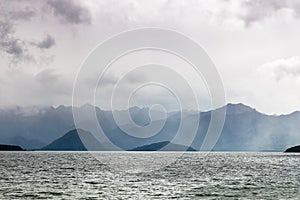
254,44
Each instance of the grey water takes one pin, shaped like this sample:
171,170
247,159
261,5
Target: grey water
79,175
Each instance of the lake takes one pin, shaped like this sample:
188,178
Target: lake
79,175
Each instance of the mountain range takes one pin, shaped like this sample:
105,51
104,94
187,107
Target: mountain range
245,128
80,140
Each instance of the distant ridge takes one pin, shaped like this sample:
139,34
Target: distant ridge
72,141
295,149
4,147
160,146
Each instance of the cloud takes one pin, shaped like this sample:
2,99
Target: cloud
21,14
281,68
10,44
242,13
70,11
15,13
5,28
46,43
216,25
14,47
258,10
20,86
47,76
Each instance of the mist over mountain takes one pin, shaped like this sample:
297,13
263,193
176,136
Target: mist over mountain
34,127
245,129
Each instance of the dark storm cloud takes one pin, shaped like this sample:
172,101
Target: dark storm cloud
70,11
46,43
11,45
14,47
14,13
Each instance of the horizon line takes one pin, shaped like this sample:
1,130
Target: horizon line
143,107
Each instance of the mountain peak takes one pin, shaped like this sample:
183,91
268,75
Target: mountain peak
238,108
74,140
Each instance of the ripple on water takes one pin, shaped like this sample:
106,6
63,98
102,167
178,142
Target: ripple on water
71,175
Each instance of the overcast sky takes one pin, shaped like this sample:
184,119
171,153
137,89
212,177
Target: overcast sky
254,44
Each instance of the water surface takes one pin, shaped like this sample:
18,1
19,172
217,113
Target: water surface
78,175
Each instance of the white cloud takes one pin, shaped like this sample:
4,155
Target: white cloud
282,68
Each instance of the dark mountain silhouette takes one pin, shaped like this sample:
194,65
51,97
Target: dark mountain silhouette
4,147
74,140
295,149
162,146
24,143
